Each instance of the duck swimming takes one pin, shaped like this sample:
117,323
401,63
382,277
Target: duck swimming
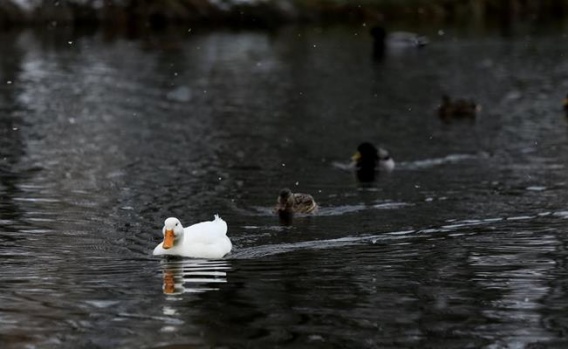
460,108
202,240
367,160
399,39
288,203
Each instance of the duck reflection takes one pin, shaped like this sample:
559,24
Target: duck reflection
193,275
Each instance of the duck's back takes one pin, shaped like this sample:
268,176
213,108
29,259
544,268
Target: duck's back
304,203
207,240
207,232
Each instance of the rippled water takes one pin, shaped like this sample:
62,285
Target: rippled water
102,138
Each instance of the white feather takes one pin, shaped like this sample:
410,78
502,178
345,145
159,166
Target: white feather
202,240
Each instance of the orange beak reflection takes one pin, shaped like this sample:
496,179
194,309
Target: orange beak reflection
169,282
168,239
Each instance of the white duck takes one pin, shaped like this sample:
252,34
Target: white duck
202,240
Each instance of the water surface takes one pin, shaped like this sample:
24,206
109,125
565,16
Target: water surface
101,139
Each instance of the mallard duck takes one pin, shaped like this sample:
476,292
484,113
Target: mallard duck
367,160
202,240
397,39
460,108
406,39
289,203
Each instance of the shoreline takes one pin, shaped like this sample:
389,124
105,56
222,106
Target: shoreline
271,14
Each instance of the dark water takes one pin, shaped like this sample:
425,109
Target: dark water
464,245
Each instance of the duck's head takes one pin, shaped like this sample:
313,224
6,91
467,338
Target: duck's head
284,206
366,155
284,197
172,231
284,202
378,33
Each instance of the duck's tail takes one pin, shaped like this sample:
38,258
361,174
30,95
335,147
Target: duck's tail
221,223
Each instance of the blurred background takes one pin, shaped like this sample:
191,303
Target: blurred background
127,14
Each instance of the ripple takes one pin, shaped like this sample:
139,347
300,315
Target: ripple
36,200
192,275
536,188
452,158
344,166
452,230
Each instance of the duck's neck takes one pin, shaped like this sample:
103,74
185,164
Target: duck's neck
367,165
179,240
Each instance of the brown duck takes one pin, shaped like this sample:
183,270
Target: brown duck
458,109
289,203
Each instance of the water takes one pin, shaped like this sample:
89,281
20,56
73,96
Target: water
102,138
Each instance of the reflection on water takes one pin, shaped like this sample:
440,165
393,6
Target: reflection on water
193,276
463,245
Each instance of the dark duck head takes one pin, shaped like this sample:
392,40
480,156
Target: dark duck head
285,201
366,159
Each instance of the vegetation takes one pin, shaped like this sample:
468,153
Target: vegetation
159,13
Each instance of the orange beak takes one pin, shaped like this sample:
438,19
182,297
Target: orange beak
356,156
168,239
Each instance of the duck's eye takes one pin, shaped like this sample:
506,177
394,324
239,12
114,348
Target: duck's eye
177,224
